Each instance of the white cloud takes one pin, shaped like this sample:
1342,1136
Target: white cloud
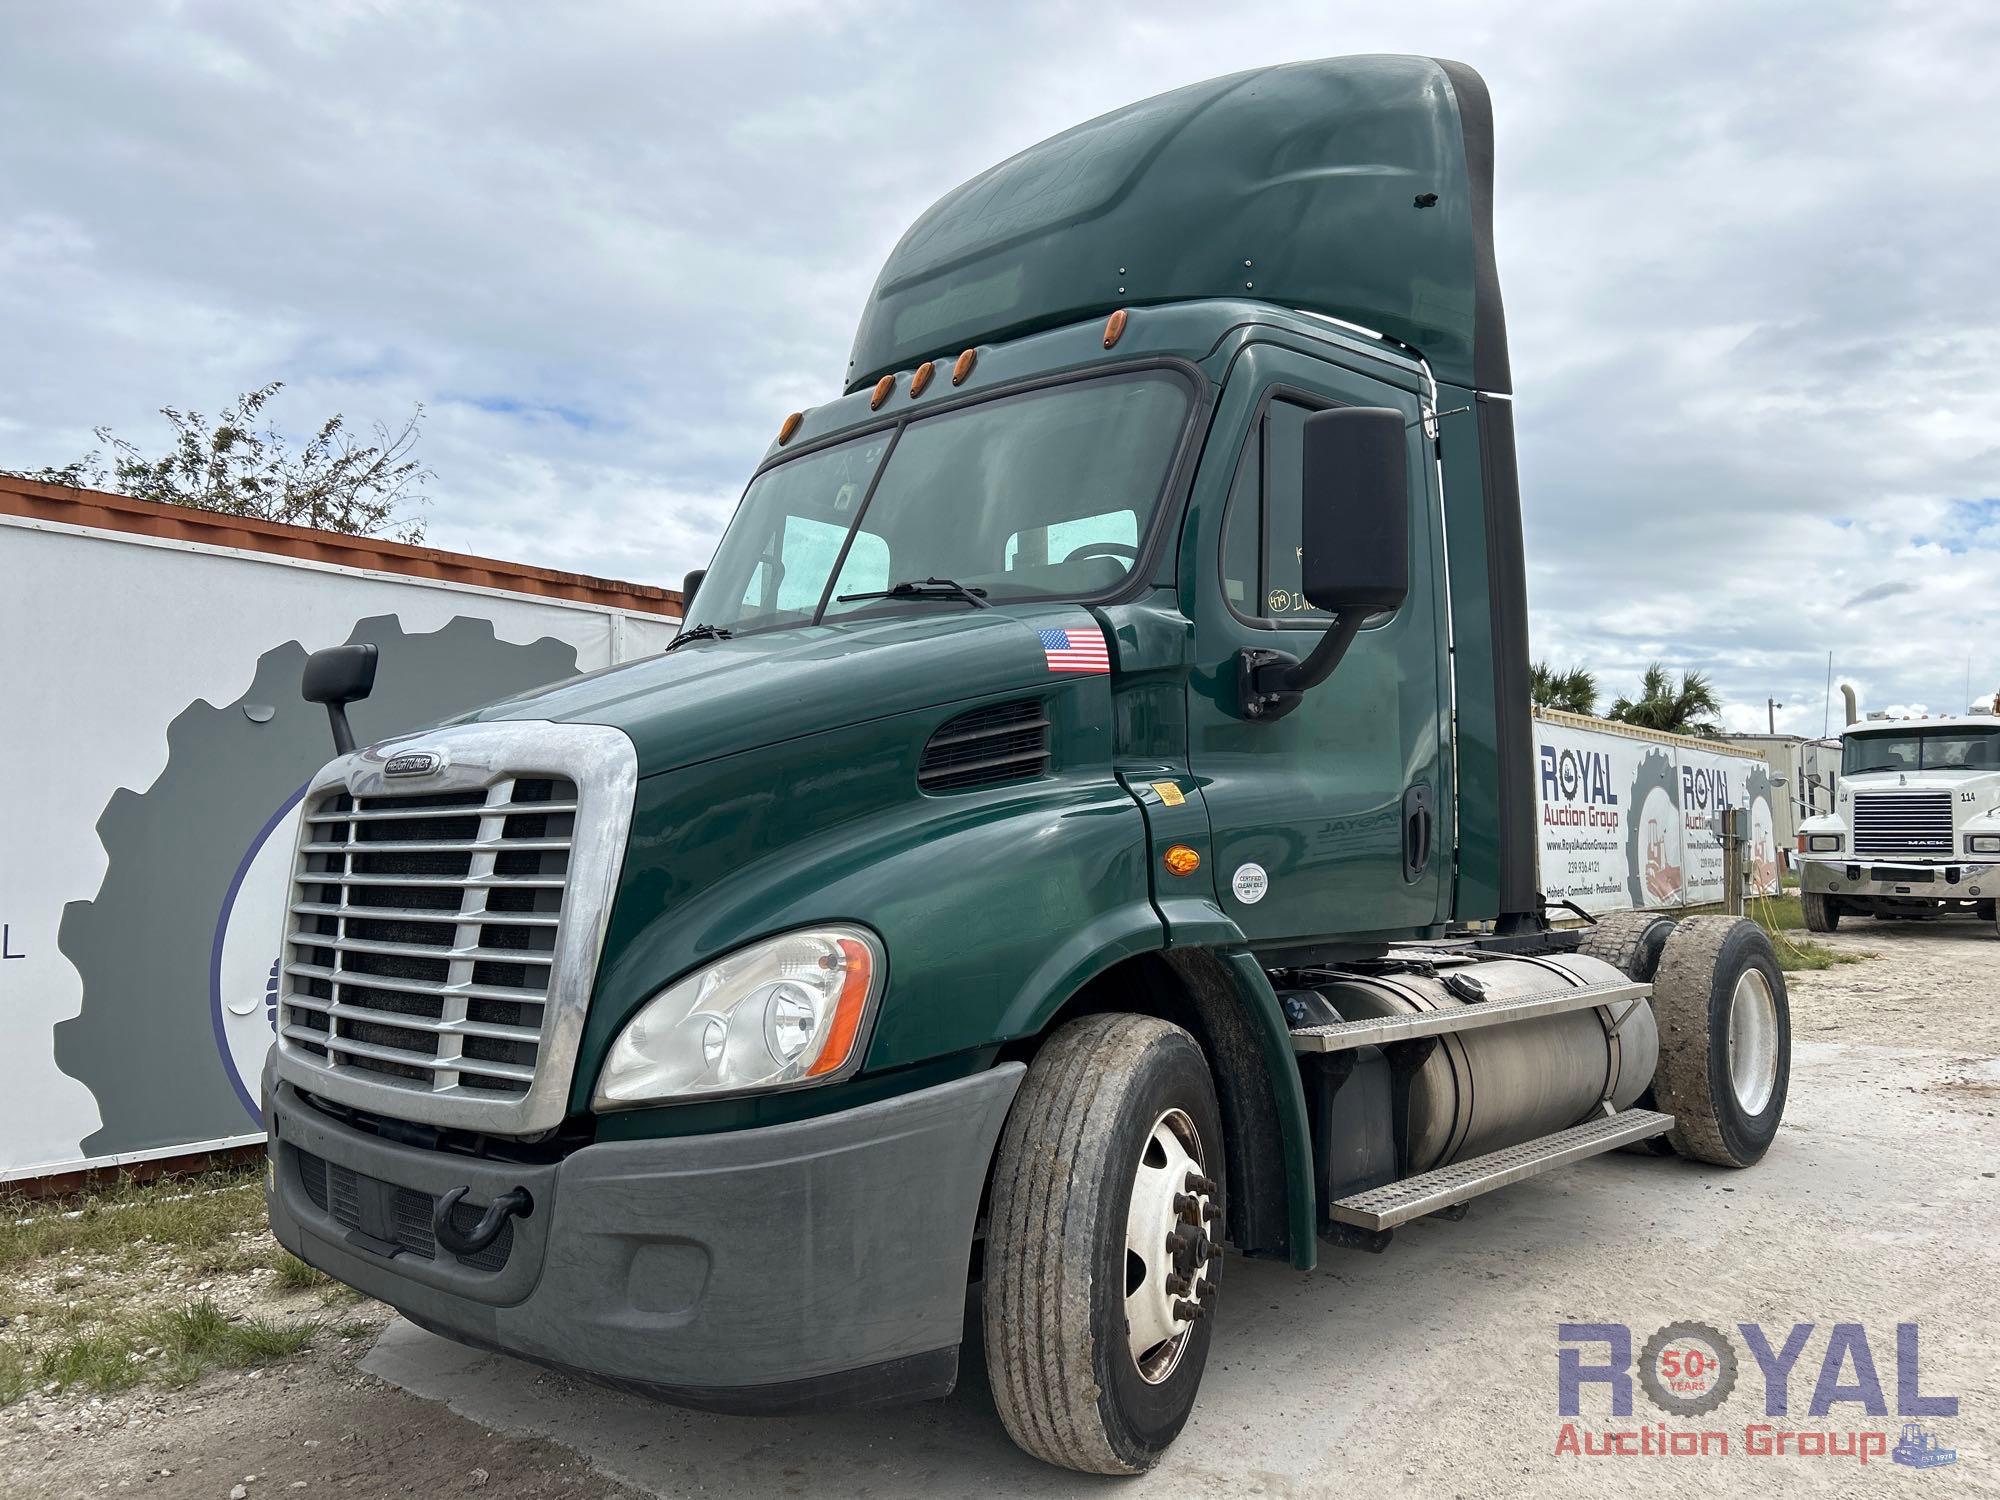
1747,254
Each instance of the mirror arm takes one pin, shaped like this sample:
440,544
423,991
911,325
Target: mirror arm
1270,684
343,732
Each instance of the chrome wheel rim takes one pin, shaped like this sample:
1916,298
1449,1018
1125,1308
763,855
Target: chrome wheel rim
1169,1256
1753,1042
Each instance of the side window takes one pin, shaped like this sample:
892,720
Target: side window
1284,513
1261,528
1260,543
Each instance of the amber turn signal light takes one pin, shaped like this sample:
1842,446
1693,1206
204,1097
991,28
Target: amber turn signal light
791,426
1114,327
882,389
846,1010
1181,860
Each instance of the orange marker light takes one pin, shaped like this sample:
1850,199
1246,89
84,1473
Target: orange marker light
967,360
846,1010
1114,327
920,381
1181,860
790,426
882,389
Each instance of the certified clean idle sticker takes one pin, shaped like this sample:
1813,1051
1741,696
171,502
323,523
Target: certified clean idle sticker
1249,883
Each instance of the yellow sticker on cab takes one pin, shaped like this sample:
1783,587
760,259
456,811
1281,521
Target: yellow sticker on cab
1169,793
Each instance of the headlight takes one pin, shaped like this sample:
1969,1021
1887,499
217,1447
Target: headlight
1822,843
1982,843
784,1011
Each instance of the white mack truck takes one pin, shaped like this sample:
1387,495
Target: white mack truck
1915,830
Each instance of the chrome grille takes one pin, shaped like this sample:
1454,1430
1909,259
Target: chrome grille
1903,824
443,929
425,929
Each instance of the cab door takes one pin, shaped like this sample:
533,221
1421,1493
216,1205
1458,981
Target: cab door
1334,821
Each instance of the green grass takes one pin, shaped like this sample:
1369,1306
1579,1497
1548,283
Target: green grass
202,1337
294,1275
170,1347
191,1217
76,1273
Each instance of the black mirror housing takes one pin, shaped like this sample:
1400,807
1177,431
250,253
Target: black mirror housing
1355,528
689,585
338,676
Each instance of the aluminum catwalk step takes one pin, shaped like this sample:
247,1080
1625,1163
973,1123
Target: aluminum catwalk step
1399,1202
1339,1036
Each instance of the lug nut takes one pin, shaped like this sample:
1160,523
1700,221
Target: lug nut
1210,1212
1179,1240
1177,1284
1196,1183
1188,1207
1187,1311
1214,1252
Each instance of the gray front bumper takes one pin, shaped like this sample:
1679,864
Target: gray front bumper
782,1268
1953,880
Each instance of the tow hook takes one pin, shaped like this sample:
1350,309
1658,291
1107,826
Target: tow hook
513,1203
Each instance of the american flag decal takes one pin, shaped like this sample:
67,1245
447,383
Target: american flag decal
1075,651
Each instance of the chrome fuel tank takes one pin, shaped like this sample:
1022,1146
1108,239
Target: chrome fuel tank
1497,1086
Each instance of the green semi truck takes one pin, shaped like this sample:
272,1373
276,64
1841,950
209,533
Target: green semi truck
1087,822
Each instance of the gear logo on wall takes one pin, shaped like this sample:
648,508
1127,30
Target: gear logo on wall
1653,833
178,949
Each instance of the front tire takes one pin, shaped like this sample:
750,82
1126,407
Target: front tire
1725,1040
1820,912
1100,1273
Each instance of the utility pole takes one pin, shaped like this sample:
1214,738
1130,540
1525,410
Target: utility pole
1771,707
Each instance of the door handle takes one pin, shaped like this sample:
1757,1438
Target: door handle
1418,821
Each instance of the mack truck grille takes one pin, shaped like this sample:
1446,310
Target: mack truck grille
1903,824
444,927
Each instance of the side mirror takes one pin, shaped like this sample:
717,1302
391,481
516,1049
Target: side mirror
690,585
338,676
1355,542
1354,547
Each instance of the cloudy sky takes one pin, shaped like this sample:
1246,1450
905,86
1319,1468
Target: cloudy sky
1750,256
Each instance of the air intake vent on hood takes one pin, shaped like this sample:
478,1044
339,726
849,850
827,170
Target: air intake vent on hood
987,747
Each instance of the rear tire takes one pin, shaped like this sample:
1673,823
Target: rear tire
1725,1040
1630,941
1821,914
1073,1282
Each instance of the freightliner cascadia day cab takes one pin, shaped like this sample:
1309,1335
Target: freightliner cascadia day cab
1915,830
1086,821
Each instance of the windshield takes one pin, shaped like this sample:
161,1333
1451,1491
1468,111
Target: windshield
1923,750
1041,495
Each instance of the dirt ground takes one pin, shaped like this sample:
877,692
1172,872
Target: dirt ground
1428,1370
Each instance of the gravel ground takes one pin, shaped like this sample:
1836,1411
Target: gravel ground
1429,1370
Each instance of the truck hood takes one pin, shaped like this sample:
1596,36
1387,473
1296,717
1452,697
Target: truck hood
711,698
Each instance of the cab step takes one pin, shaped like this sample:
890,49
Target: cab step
1378,1031
1412,1198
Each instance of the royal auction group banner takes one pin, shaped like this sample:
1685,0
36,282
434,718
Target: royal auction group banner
1626,817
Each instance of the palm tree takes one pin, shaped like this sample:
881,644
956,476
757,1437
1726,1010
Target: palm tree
1571,692
1688,709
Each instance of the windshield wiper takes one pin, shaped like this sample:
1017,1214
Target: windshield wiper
929,588
698,633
